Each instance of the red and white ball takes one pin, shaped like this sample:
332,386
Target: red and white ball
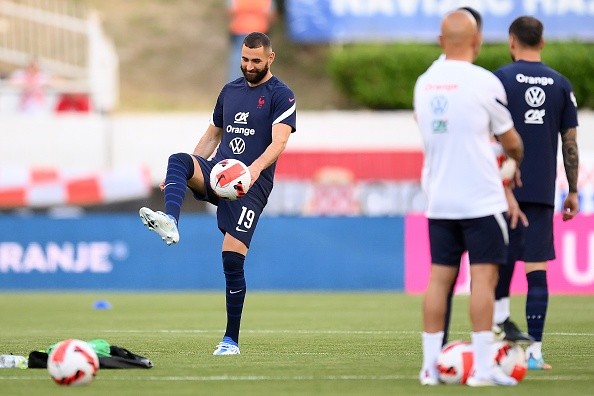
511,358
507,169
454,363
230,179
72,362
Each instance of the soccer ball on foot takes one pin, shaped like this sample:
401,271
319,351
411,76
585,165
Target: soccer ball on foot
454,363
72,362
230,179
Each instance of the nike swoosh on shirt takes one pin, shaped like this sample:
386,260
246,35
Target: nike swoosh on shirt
235,291
239,229
291,99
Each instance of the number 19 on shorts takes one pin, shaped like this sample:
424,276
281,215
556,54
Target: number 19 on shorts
246,219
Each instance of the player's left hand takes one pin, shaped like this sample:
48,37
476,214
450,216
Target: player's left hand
570,206
514,213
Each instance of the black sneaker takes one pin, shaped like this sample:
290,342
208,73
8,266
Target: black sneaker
509,331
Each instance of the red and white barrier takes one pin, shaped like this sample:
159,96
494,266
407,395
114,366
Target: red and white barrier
45,187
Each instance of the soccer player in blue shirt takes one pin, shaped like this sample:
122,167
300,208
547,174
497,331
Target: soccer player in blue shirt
252,120
543,107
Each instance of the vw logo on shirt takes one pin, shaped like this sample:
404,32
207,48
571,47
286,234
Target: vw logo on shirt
237,145
535,96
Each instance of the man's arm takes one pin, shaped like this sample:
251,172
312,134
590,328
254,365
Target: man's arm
280,137
512,145
571,160
208,142
571,163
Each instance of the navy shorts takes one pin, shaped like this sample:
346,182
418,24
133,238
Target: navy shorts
538,236
238,218
484,238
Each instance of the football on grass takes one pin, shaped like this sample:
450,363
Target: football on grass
72,362
230,179
454,363
511,358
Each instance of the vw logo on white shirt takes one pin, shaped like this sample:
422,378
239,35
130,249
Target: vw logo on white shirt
237,145
535,96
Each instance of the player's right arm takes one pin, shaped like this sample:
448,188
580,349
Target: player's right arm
209,141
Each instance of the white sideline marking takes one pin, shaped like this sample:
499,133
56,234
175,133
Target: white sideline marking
362,332
263,331
215,378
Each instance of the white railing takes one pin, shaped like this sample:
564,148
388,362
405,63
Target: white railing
66,39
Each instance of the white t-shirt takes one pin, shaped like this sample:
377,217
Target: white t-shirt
457,106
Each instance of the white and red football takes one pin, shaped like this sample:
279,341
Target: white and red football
454,363
230,179
507,169
72,362
511,358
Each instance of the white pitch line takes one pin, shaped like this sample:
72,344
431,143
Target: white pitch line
330,332
264,331
248,378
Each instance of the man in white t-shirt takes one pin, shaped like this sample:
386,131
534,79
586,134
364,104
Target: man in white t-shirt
458,106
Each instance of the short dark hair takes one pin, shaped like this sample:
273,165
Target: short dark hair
528,30
476,15
256,40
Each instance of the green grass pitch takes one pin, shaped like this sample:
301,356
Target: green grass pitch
291,344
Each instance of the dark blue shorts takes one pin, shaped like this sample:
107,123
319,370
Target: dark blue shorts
484,238
238,218
538,236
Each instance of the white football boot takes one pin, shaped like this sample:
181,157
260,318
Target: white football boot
162,224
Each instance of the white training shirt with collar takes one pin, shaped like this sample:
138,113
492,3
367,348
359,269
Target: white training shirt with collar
457,106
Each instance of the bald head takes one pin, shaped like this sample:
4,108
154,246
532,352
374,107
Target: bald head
460,36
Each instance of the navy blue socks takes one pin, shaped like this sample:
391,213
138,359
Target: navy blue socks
537,301
235,292
180,169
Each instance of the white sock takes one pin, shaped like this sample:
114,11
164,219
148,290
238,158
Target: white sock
482,342
534,349
501,310
431,349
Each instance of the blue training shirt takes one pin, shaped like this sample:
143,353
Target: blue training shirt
247,115
542,104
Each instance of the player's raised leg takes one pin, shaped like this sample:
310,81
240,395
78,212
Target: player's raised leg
180,169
